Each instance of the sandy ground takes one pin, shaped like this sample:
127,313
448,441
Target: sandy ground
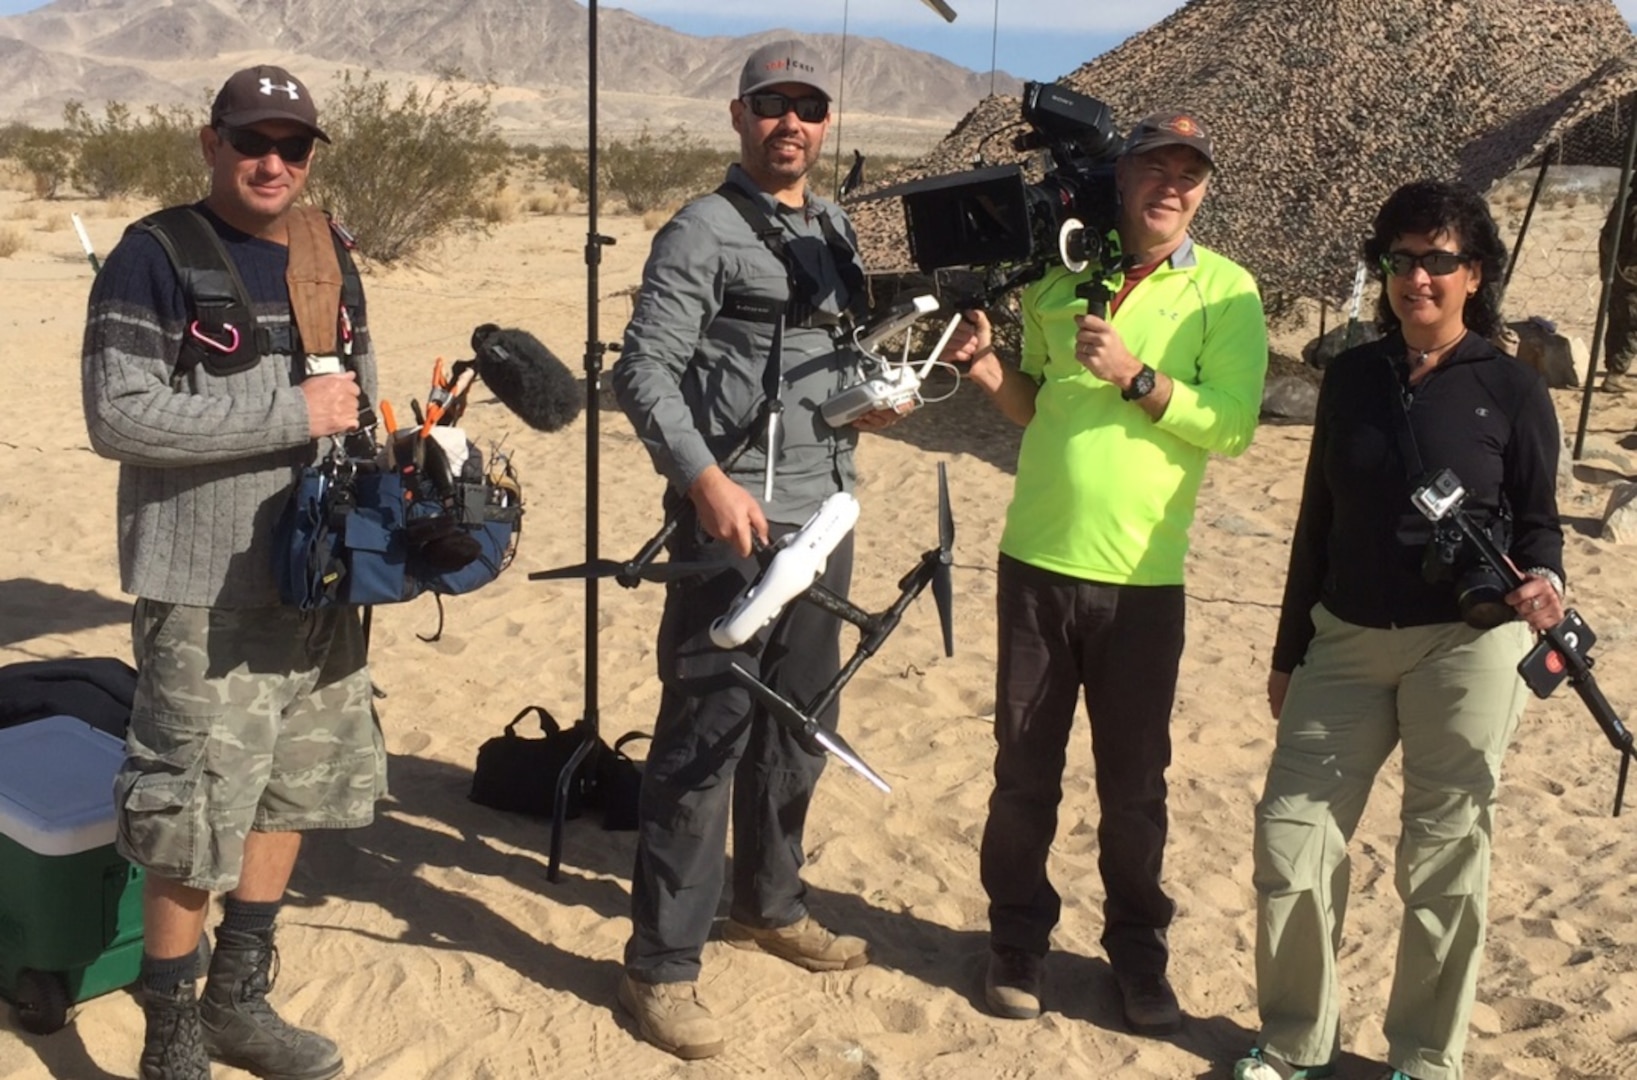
432,945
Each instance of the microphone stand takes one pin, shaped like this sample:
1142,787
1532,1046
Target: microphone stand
594,350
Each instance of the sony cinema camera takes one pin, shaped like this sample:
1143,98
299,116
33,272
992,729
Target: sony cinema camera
994,219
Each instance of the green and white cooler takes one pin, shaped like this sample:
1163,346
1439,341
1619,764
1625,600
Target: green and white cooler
70,906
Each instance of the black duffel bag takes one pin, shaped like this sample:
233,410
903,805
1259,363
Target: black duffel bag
520,774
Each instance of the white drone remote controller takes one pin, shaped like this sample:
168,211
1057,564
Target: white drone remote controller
892,385
799,560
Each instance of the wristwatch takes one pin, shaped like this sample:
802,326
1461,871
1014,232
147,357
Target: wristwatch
1142,384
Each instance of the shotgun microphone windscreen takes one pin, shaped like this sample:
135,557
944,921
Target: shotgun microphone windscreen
526,377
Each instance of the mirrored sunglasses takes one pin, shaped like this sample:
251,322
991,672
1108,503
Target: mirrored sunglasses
294,149
1435,263
772,105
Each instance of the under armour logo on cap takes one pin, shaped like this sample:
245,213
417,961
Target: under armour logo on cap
290,87
263,93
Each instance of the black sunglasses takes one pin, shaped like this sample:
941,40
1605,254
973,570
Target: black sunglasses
771,105
294,149
1435,263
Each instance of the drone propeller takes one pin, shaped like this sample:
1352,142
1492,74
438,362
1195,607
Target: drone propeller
943,583
649,571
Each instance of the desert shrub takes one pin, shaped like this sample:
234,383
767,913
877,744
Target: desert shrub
156,155
107,155
404,172
11,241
12,135
541,202
561,164
13,177
501,206
173,168
652,172
558,200
46,156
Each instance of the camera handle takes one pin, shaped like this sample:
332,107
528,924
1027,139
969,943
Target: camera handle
1568,641
1096,293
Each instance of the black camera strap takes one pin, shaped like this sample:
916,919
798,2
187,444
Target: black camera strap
1409,451
1415,470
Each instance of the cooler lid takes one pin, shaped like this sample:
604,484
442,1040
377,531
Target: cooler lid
57,784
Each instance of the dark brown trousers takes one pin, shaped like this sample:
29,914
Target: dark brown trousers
1120,646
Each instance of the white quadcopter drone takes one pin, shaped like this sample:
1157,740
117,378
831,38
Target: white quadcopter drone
791,571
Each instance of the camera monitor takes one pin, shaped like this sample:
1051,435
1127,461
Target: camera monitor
969,219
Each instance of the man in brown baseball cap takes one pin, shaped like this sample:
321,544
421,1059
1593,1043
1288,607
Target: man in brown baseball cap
1126,398
1170,129
252,722
264,92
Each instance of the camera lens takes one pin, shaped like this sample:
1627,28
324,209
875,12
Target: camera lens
1482,597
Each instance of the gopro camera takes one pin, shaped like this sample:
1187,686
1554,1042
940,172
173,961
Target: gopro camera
1440,496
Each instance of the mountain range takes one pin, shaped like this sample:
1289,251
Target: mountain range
533,52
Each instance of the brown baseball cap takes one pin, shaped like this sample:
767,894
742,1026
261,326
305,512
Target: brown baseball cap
785,62
265,92
1170,129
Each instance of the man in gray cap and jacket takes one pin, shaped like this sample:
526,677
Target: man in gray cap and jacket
746,303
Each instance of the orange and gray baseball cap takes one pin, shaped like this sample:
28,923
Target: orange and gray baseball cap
1170,129
785,62
262,93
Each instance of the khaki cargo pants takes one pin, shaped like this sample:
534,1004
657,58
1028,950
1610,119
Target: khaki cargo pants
1451,696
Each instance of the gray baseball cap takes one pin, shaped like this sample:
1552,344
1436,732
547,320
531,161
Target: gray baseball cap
785,62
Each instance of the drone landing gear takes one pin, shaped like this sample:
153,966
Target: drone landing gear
935,569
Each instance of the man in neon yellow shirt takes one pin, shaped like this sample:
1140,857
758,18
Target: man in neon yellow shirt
1120,415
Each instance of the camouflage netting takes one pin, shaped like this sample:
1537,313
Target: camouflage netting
1319,108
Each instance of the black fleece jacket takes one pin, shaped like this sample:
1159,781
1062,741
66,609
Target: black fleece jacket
1359,542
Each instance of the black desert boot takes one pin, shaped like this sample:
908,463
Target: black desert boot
240,1027
173,1046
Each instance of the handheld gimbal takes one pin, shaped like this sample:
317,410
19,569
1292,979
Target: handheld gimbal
1562,652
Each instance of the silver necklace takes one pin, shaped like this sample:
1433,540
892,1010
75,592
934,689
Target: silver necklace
1421,358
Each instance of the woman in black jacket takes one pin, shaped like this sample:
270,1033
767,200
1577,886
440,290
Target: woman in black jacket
1392,633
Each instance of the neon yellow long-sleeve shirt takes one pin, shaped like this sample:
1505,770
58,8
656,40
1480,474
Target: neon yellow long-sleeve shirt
1103,492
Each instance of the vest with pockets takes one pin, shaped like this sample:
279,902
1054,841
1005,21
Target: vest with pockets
222,332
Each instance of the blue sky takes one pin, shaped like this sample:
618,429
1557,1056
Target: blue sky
1033,39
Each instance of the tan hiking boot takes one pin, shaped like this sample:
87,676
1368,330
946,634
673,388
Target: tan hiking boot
804,943
1011,986
671,1016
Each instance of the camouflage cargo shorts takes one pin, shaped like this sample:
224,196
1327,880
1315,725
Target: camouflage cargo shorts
253,719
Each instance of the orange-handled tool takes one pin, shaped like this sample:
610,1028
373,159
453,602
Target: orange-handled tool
447,401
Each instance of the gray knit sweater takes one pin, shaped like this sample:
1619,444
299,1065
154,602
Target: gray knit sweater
205,466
